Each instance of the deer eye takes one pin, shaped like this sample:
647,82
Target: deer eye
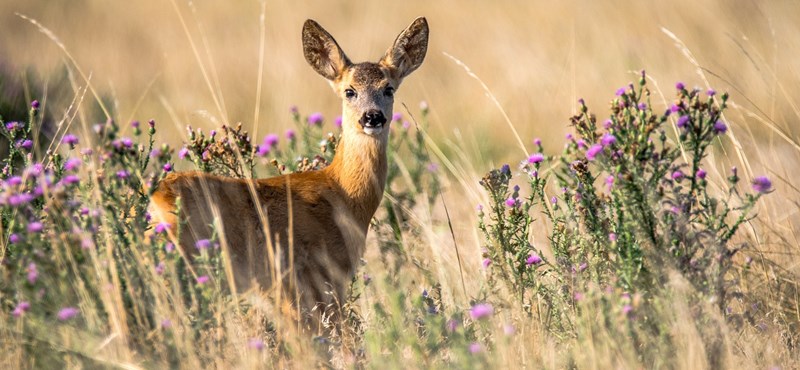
389,92
350,93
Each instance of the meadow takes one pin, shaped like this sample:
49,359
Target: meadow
573,185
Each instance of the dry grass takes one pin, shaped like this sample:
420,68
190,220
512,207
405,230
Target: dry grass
536,58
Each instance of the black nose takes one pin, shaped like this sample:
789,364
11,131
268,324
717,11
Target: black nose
372,118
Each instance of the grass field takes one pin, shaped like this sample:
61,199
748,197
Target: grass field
441,286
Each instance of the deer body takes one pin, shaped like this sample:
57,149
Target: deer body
307,230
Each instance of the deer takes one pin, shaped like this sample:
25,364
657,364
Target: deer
303,233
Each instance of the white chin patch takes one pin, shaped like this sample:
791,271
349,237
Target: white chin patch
373,131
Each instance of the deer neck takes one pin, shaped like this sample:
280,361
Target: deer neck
359,167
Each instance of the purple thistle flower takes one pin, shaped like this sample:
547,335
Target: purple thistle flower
475,348
720,127
642,106
135,124
682,122
126,142
627,309
481,311
680,86
255,343
213,133
620,91
406,125
183,153
72,164
711,92
338,121
581,144
315,119
533,259
87,151
578,296
612,237
290,135
554,200
263,150
582,267
486,263
203,279
593,151
162,227
67,313
202,244
169,248
35,227
537,141
536,158
21,308
35,104
122,174
160,268
511,202
26,144
167,167
16,200
569,136
33,273
607,124
677,175
206,156
271,140
70,179
506,169
151,123
70,140
155,153
14,238
608,139
166,324
762,184
397,117
701,174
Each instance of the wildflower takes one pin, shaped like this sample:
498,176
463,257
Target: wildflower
432,167
479,207
481,311
578,296
554,200
151,123
367,279
256,344
720,128
35,104
612,237
677,175
511,202
424,293
271,140
315,119
26,144
674,108
87,151
680,86
166,324
213,133
135,124
536,158
183,153
122,174
486,263
70,179
162,227
620,91
169,248
72,164
569,137
682,122
509,329
582,267
293,109
610,181
475,348
593,151
290,135
262,150
35,227
206,156
16,200
67,313
160,268
701,174
506,169
627,309
203,279
607,124
397,117
581,144
533,259
406,125
202,244
537,141
155,153
14,238
33,273
451,325
126,142
423,106
762,184
608,139
70,140
642,106
21,308
711,92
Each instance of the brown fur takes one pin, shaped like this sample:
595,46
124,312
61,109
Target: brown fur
303,233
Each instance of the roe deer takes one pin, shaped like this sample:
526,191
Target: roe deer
304,233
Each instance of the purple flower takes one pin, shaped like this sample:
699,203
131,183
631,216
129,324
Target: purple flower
582,267
166,324
151,123
593,151
612,237
315,119
14,181
682,122
475,348
162,227
720,127
202,244
533,259
213,133
263,150
509,329
67,313
126,142
70,140
674,108
432,167
183,153
581,143
169,247
608,139
537,141
87,151
203,279
14,238
481,311
680,86
255,343
271,140
70,179
511,202
72,164
486,263
627,309
554,200
642,106
620,91
536,158
506,169
711,92
33,273
607,124
167,167
160,268
338,121
21,308
701,174
406,125
397,117
135,124
290,135
578,296
35,104
26,144
677,175
122,174
16,200
35,227
155,153
762,184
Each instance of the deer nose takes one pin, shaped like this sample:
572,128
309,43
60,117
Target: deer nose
372,118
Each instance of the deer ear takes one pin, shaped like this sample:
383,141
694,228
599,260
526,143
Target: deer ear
322,52
408,51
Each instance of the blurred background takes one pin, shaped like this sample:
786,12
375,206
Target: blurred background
536,58
199,64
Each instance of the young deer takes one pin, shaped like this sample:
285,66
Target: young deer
304,233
